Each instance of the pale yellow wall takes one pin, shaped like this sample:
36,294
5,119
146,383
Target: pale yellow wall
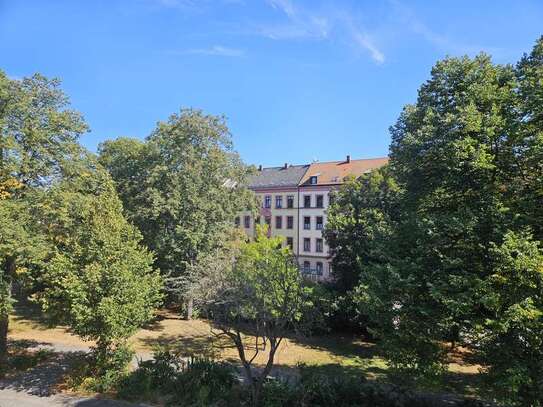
313,233
298,232
283,212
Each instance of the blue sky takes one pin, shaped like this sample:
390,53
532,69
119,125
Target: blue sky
297,80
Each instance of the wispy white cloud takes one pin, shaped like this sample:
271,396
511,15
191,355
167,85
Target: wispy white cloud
303,23
365,42
300,23
284,5
215,50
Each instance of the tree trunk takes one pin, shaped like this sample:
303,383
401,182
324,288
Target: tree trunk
4,316
259,383
190,305
4,325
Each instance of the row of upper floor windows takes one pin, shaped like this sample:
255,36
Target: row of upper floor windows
307,201
289,223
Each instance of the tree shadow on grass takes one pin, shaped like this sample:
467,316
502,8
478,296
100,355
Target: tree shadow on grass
29,313
206,346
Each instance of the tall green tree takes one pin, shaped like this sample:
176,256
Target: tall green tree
449,153
188,187
458,259
99,279
38,143
526,188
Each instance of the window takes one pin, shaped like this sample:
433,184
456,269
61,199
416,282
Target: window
313,179
331,198
307,222
267,201
320,201
307,267
307,201
318,224
290,222
257,220
247,221
290,243
236,221
268,222
278,222
318,246
278,201
307,244
319,268
290,201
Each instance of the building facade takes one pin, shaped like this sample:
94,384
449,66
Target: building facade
294,201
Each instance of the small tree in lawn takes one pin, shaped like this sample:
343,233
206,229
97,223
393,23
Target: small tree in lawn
259,291
99,280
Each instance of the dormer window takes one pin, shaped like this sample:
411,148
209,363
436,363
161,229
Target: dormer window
313,179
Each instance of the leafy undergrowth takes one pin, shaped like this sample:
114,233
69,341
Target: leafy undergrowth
173,381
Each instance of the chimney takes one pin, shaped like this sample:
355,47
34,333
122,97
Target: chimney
348,160
260,167
285,166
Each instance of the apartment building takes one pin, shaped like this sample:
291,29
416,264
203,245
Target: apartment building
277,190
294,201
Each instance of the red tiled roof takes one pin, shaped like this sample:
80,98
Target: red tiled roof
334,172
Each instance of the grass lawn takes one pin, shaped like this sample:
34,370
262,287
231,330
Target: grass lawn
335,351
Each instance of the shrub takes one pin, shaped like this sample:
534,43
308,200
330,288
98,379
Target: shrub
203,382
101,371
196,381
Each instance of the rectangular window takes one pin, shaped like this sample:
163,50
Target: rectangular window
307,222
278,201
318,268
268,222
236,221
307,201
267,201
320,201
290,222
257,220
278,222
290,243
307,267
307,244
313,180
318,246
290,201
247,221
318,224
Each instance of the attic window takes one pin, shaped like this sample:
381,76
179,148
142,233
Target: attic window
313,179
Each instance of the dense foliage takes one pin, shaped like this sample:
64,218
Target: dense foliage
182,188
38,145
99,279
445,244
62,231
179,382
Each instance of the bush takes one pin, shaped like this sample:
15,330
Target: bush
196,381
101,371
210,380
279,393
